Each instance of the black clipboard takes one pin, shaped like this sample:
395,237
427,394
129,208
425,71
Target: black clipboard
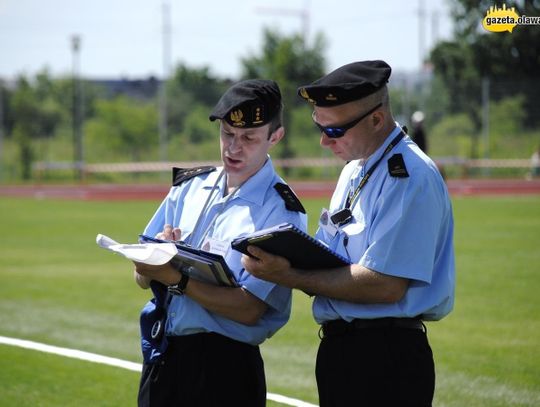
199,264
286,240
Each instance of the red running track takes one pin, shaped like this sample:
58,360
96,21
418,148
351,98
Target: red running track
308,189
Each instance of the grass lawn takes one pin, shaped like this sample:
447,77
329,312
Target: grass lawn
59,288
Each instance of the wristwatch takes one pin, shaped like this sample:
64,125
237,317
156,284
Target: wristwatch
179,288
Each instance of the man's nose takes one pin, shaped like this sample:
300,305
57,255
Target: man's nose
325,140
235,145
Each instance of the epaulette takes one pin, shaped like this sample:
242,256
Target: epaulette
396,166
292,202
180,175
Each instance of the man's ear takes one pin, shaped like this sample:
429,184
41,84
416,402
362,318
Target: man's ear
377,119
276,136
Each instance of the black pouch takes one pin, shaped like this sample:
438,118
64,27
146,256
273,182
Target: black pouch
152,324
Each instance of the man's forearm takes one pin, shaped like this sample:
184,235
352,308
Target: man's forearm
233,303
353,283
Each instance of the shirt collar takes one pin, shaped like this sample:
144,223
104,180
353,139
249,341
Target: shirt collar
373,157
252,189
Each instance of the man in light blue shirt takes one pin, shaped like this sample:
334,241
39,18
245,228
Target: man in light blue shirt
213,332
391,216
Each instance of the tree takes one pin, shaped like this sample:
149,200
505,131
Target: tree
291,63
124,125
190,87
511,61
35,115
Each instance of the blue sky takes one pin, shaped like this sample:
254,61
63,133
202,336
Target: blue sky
123,38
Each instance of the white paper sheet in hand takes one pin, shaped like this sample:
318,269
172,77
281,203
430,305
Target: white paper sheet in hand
154,254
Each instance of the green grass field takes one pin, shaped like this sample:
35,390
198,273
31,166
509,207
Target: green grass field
58,287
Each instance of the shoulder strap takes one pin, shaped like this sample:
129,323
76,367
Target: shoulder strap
292,202
180,175
396,166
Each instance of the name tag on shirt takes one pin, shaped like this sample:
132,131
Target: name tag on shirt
216,246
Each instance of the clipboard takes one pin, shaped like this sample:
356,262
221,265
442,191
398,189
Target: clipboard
198,264
286,240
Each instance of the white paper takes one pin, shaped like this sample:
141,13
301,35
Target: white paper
154,254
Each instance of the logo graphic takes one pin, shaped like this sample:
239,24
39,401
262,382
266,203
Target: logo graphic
236,118
506,19
500,19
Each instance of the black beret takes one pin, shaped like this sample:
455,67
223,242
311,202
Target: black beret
250,103
350,82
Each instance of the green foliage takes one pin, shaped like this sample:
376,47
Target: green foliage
187,89
198,128
123,124
35,114
291,63
509,60
452,136
507,116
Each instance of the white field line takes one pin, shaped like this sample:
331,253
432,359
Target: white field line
124,364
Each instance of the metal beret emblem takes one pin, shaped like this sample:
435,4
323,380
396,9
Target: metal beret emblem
304,94
330,96
236,118
258,115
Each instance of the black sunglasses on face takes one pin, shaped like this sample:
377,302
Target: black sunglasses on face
339,131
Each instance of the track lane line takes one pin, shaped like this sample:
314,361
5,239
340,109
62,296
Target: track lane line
124,364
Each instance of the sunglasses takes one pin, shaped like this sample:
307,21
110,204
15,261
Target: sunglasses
339,131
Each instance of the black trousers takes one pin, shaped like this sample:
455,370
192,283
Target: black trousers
205,370
376,367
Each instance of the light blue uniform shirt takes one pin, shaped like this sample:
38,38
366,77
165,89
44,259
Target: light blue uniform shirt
255,205
402,227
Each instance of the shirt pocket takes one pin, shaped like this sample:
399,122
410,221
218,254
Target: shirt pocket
353,240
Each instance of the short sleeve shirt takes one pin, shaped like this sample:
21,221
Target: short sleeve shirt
255,205
403,227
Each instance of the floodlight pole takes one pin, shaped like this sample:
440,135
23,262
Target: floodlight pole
1,129
303,14
485,115
78,158
421,32
163,120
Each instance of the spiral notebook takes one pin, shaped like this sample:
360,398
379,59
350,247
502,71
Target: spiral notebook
286,240
199,264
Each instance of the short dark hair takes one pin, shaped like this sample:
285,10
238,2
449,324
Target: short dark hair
276,122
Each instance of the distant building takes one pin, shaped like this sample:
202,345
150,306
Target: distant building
143,89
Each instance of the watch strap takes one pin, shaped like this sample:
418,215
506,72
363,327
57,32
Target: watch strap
180,287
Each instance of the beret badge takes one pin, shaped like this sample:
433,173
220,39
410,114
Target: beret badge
258,115
236,118
331,97
304,94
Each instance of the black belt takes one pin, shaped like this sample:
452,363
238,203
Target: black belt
341,327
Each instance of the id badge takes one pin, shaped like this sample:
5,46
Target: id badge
216,246
326,223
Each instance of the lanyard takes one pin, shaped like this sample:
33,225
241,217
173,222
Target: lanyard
206,207
353,195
